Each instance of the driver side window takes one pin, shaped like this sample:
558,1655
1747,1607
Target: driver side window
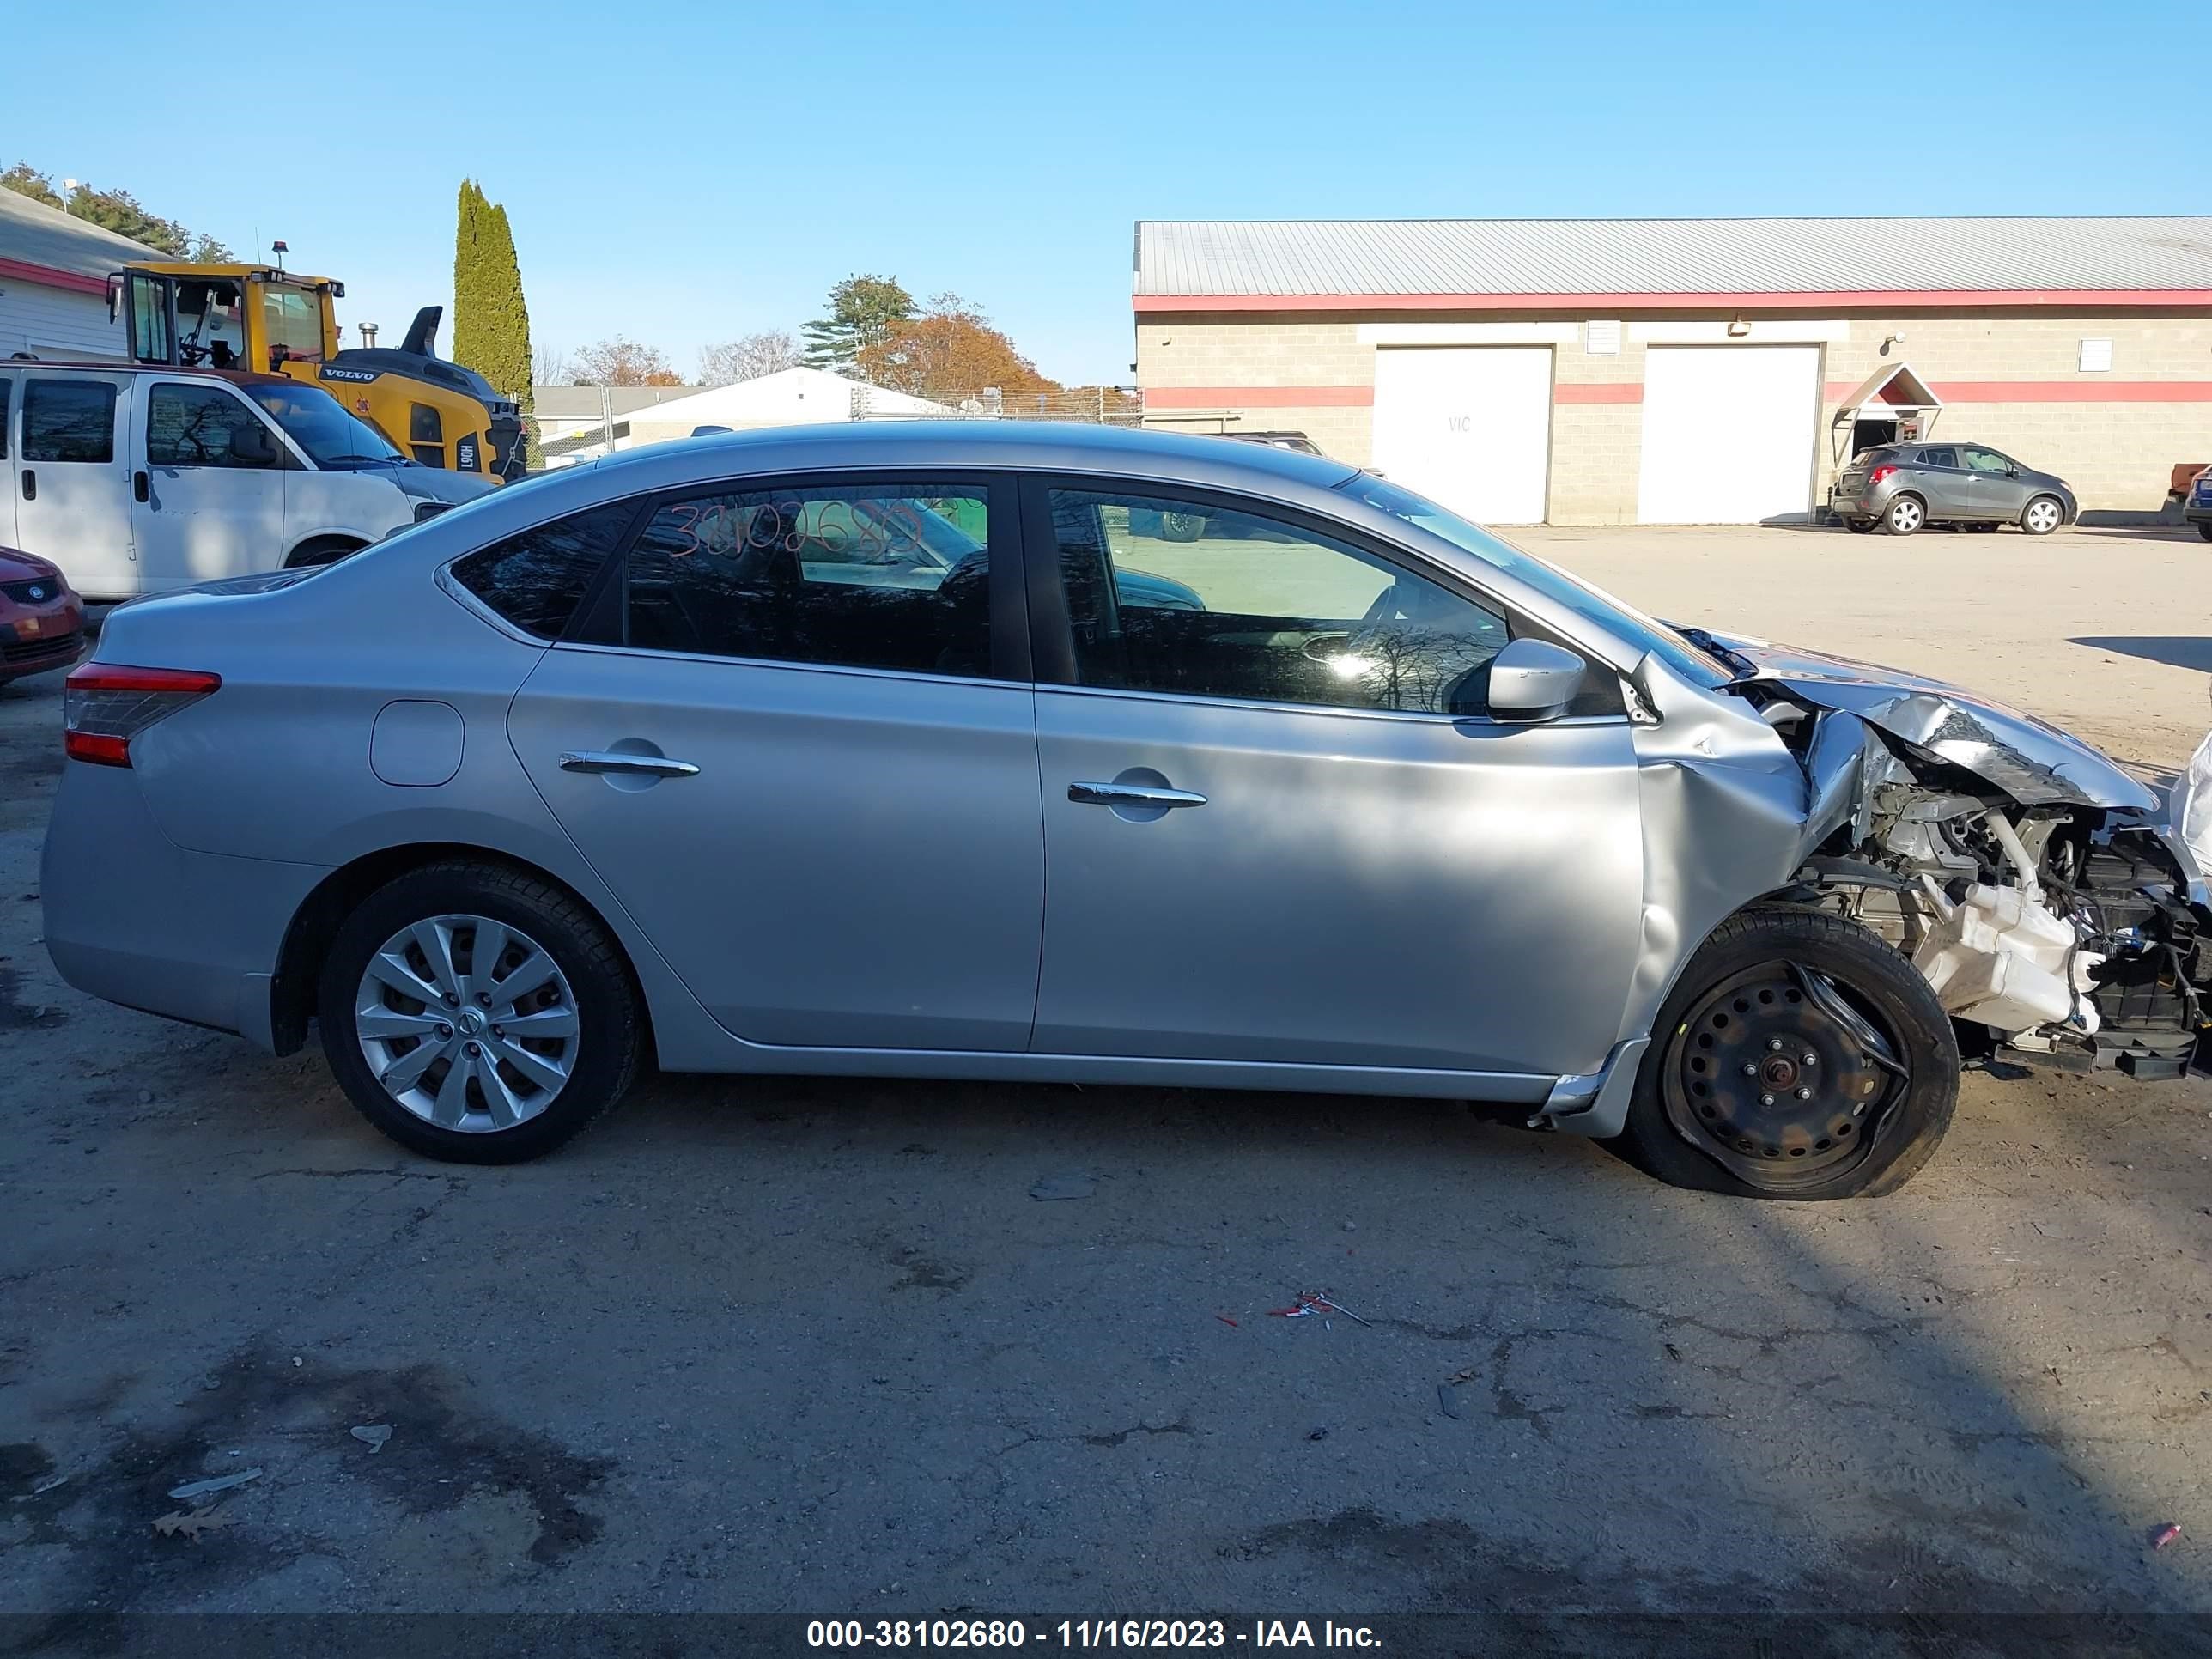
1182,597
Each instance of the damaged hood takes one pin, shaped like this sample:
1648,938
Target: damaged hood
2034,763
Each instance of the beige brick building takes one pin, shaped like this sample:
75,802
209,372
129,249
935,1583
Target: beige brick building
1687,371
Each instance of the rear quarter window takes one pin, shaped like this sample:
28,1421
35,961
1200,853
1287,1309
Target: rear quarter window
537,579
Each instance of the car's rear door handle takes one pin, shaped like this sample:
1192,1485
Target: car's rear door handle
1131,794
650,766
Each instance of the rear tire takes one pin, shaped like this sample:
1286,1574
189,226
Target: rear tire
2042,515
587,1009
2204,529
1905,515
1752,996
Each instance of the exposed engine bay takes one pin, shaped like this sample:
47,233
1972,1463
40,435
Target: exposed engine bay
2053,909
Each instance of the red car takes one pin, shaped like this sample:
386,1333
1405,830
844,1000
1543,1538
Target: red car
41,618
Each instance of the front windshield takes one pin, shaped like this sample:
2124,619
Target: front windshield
322,426
1699,666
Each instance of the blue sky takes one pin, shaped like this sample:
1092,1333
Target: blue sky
684,172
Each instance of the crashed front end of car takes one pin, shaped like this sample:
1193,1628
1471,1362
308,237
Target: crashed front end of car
2052,899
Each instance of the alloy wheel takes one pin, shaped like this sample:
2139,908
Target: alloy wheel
1778,1076
1905,517
467,1023
2042,517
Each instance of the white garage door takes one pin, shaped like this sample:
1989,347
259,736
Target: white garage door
1727,433
1468,427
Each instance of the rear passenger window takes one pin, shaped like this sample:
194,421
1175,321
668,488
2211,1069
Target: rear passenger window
893,576
536,579
1939,457
69,420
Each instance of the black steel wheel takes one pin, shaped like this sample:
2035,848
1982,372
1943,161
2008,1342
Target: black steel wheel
1799,1057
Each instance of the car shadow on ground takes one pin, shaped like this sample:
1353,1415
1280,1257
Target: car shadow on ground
2176,533
2191,651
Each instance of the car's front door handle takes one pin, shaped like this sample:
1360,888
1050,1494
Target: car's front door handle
650,766
1131,794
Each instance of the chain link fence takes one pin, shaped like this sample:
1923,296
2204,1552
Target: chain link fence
1099,405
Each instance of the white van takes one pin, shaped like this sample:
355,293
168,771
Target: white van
137,481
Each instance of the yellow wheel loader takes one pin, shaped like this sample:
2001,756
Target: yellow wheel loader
275,322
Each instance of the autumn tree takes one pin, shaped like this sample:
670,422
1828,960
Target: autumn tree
621,362
949,351
863,311
491,319
748,358
120,211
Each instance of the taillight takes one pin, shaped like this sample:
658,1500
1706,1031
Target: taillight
1880,473
105,705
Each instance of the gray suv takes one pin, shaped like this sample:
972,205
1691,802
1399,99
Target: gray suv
1902,487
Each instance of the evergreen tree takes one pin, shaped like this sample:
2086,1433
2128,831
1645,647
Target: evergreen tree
863,311
120,211
491,319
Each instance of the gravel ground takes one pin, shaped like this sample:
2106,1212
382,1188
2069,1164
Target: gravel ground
811,1346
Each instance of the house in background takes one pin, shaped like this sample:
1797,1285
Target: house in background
648,415
54,283
791,397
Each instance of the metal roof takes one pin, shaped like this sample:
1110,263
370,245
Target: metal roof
1202,258
33,234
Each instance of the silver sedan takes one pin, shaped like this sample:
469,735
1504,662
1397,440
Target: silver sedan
939,749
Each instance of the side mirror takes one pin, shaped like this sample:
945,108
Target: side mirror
1534,680
253,443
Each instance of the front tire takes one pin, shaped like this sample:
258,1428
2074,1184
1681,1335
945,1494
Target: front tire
2205,528
476,1014
1905,515
1858,526
2042,515
1800,1057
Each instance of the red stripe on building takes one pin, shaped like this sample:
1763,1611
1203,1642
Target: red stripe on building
1630,392
2086,390
46,277
2182,298
1259,396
